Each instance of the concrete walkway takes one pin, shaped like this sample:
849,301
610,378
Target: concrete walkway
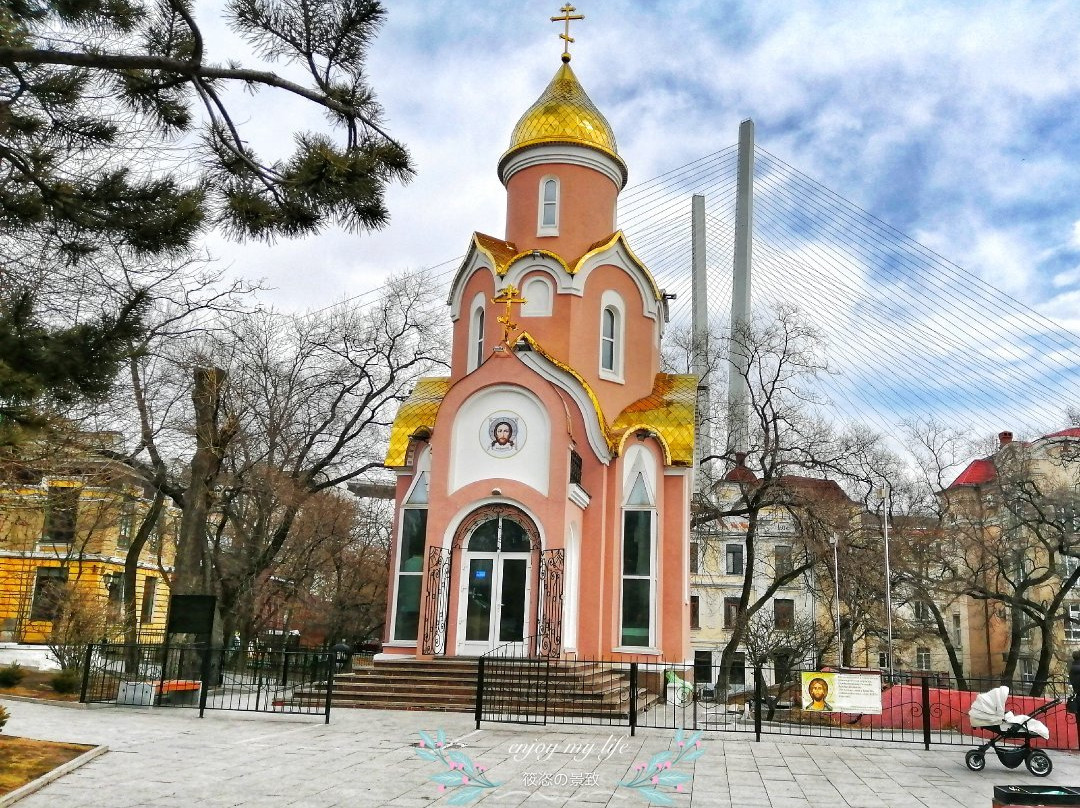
169,757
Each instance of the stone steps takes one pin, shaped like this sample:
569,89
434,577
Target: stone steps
574,689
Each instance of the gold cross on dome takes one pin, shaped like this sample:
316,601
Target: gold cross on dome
567,15
509,295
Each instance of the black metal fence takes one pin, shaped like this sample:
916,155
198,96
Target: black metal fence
928,710
198,677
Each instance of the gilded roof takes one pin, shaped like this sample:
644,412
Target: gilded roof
564,114
669,412
417,412
499,252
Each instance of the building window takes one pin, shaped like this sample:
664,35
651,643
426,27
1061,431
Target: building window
410,573
737,672
61,514
695,611
609,322
782,559
149,593
957,636
637,579
695,556
549,207
49,586
883,660
575,468
784,614
732,612
114,585
922,658
1072,621
478,339
126,525
734,557
921,609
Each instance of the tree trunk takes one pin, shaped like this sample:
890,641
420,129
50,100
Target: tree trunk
131,578
190,577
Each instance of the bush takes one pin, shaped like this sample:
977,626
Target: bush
11,675
66,681
4,716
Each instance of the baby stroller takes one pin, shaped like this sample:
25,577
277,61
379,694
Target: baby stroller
988,713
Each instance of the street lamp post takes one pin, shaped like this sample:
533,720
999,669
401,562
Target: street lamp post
836,584
888,577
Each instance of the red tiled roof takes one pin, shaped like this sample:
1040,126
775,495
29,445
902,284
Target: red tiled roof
978,472
1071,432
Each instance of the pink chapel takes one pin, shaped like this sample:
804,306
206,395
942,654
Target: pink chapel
543,487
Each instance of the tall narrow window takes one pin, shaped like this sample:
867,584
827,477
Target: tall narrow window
125,526
784,614
478,337
695,611
782,559
637,594
922,658
607,339
734,559
548,224
61,515
149,593
410,562
732,612
49,586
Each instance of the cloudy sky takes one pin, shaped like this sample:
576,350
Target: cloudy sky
955,122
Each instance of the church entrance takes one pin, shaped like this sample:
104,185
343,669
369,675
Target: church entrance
495,601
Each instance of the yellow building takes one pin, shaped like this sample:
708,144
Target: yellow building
68,517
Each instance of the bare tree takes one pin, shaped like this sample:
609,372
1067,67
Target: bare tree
789,470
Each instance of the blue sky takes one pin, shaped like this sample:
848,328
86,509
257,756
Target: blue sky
955,122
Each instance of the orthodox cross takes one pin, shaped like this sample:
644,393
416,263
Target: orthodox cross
509,295
567,15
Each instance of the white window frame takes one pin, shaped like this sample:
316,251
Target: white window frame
1072,621
477,318
651,577
611,302
727,559
399,573
543,228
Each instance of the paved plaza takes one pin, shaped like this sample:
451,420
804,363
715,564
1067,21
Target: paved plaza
169,757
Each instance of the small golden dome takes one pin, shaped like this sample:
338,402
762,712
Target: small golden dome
564,114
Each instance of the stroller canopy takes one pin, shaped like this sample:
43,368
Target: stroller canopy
988,711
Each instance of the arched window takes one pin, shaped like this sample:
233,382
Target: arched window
609,320
476,334
638,620
537,294
611,336
479,356
548,218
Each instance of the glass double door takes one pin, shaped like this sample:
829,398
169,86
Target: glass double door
496,601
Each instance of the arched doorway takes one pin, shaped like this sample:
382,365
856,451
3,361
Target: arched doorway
496,597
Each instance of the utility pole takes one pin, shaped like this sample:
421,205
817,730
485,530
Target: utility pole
699,333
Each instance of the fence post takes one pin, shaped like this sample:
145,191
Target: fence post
926,713
329,684
759,696
479,690
86,672
204,673
633,697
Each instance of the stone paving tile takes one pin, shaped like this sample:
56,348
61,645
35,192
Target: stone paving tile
166,758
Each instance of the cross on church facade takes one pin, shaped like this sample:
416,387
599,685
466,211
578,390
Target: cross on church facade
567,15
509,295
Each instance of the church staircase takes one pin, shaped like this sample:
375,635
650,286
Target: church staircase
586,690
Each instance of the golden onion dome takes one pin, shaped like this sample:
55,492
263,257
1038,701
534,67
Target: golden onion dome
564,114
